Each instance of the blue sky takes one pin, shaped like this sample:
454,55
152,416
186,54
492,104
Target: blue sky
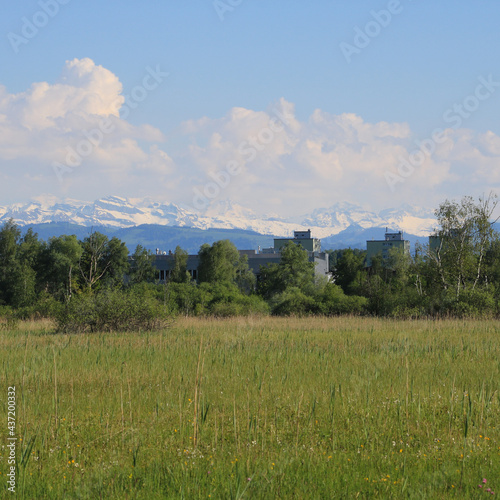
353,121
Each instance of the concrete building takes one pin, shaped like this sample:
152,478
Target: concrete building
382,247
302,238
164,262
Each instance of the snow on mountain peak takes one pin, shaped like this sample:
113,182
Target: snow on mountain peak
115,211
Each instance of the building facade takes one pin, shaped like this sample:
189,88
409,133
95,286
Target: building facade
302,238
383,247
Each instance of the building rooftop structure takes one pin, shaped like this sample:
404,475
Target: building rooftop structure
383,247
302,238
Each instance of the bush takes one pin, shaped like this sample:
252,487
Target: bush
111,311
404,312
472,304
332,301
240,305
8,320
45,307
184,298
293,302
212,299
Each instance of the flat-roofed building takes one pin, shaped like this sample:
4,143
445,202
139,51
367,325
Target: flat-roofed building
164,262
383,247
302,238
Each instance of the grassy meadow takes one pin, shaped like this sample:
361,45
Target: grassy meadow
256,408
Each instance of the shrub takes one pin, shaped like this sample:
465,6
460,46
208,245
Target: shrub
404,312
239,305
471,304
8,320
293,302
111,310
45,307
333,301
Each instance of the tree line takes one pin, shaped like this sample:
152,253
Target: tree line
93,283
456,274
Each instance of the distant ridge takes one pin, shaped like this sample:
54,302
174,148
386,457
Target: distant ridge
165,238
116,213
154,236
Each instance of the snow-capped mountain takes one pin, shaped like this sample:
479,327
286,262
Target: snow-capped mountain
121,212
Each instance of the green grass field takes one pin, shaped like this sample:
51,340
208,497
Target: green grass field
256,408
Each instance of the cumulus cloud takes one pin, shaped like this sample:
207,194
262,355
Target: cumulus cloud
73,123
331,158
268,160
83,89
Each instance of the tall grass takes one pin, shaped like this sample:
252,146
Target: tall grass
258,408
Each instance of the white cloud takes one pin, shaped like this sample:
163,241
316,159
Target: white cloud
49,121
285,165
332,158
83,89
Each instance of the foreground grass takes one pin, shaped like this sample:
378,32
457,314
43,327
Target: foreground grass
257,408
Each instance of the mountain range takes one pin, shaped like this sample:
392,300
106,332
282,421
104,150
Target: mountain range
341,225
119,212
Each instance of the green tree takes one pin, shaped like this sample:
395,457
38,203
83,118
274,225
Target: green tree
116,256
141,266
19,259
58,270
180,273
492,265
270,282
30,249
219,263
24,286
103,260
348,269
93,264
10,236
245,278
465,233
294,271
